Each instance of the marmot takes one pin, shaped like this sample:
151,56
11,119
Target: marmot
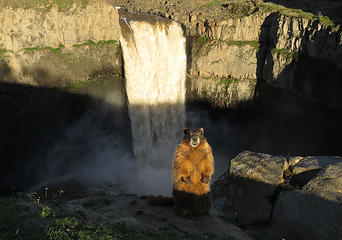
193,166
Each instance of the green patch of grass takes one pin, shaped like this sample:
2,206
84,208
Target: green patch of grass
240,9
326,20
296,13
46,211
31,49
254,44
86,83
44,5
51,49
199,41
212,3
55,50
3,51
226,82
285,53
99,43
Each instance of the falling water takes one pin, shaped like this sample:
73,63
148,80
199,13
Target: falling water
155,67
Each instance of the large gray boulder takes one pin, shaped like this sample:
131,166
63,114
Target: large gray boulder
300,197
246,192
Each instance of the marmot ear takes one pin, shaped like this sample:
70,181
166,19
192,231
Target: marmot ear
186,131
202,131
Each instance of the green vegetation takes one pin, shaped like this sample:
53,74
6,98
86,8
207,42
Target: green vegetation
3,51
212,3
326,20
289,55
16,222
47,212
31,49
296,13
199,41
55,50
71,228
226,82
99,43
86,83
254,44
44,5
51,49
243,9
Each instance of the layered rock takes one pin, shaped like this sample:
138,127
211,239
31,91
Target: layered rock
50,46
293,43
50,26
300,195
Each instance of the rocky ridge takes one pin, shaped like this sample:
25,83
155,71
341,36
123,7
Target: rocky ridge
233,46
300,197
286,42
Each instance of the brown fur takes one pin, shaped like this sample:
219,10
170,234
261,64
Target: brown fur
192,170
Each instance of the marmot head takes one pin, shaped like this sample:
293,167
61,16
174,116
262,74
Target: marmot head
194,136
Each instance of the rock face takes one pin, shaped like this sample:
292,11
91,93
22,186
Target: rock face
50,46
223,73
238,43
300,195
28,28
298,51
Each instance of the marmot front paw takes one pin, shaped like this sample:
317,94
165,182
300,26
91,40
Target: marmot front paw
205,179
186,179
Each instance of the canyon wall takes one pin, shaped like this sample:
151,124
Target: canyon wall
55,46
242,43
234,48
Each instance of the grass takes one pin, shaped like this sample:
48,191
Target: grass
254,44
296,13
44,5
72,229
51,49
3,51
85,83
99,43
243,9
226,82
289,55
212,3
14,225
199,41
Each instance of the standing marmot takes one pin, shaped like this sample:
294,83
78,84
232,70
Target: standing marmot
193,166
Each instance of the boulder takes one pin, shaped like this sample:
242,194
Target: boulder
301,197
246,192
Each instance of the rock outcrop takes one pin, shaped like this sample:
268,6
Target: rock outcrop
240,43
42,26
54,46
300,195
292,47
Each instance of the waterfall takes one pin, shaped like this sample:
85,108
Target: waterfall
155,69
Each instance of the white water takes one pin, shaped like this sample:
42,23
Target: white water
155,70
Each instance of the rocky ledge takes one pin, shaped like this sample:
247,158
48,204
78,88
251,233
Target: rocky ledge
290,197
